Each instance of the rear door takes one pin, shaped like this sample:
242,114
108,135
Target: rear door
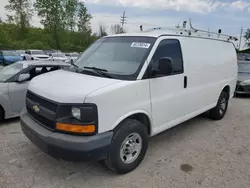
168,92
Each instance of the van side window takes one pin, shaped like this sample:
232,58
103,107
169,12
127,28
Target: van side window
169,48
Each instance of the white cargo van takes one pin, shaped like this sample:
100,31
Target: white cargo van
126,88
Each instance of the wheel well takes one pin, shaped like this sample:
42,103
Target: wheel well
2,111
227,90
143,118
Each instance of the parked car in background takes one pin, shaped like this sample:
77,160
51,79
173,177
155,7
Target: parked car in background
58,57
23,54
14,80
49,52
9,57
244,57
243,83
72,56
37,55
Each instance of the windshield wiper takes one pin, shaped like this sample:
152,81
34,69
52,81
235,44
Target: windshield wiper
102,72
77,68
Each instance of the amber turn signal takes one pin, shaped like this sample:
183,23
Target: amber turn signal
75,128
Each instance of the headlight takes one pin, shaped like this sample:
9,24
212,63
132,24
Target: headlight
77,118
76,112
246,82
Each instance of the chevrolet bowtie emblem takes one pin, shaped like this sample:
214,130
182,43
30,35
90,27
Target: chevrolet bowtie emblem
36,108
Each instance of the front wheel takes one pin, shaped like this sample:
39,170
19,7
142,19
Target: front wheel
128,147
220,110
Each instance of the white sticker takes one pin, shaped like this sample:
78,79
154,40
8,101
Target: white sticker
140,45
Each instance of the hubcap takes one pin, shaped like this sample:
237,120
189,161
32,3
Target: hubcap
223,105
131,148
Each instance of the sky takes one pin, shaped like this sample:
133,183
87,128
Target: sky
228,15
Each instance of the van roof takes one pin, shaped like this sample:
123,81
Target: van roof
156,34
183,32
142,34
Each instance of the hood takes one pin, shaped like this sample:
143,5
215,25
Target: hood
243,76
60,58
40,56
12,58
68,87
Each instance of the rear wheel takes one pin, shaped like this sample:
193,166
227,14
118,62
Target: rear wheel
220,110
128,147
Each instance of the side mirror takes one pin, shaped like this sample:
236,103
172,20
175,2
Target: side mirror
165,67
23,77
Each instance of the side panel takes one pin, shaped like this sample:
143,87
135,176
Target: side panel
210,66
118,101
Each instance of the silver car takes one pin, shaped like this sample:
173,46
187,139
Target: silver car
14,81
243,83
58,57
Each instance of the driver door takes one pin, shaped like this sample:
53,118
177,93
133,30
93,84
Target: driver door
168,92
18,90
17,94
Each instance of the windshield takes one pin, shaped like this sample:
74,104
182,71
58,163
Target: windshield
9,71
9,53
122,57
244,67
38,52
20,52
58,55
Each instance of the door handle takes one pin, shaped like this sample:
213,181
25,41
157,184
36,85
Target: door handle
185,81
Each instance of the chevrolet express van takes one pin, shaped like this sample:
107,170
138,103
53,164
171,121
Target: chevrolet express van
126,88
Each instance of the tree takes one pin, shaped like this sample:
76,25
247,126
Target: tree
102,30
247,37
21,13
51,13
10,19
70,14
83,18
117,29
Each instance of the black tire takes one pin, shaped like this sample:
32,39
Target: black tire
1,114
220,110
113,159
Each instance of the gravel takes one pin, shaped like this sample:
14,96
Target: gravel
198,153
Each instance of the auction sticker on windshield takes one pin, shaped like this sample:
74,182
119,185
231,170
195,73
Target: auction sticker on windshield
140,45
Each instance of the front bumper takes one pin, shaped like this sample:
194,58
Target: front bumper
63,146
242,89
